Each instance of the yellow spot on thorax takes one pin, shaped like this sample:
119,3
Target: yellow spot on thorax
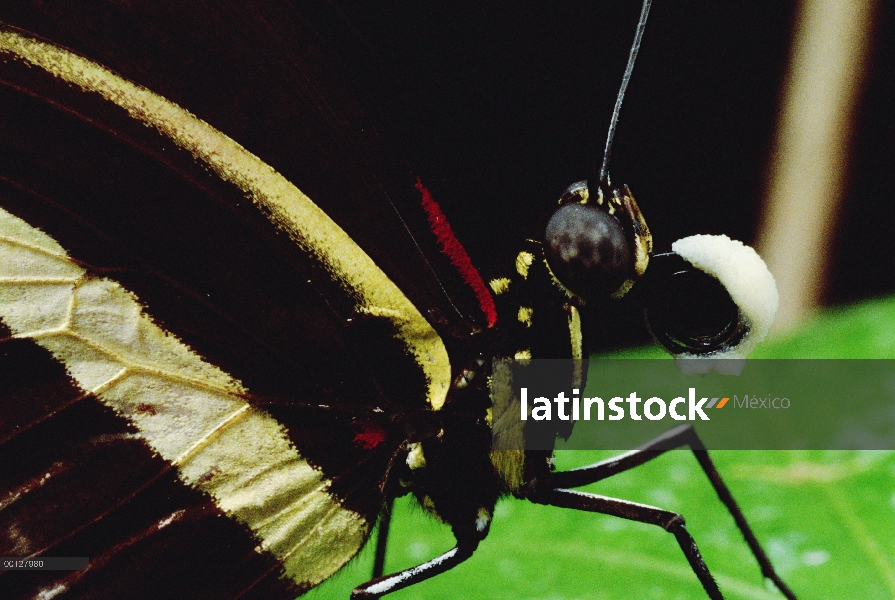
415,458
524,315
575,333
523,262
500,285
523,355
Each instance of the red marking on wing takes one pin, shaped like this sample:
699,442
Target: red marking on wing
369,436
454,250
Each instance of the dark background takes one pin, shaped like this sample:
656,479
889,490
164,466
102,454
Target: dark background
501,107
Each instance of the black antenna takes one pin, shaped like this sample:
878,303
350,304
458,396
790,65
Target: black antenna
641,25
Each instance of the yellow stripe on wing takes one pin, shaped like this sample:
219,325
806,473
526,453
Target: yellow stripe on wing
190,412
287,206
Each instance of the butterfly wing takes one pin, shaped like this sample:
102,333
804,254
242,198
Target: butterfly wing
198,347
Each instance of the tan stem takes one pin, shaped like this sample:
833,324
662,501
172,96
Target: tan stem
809,164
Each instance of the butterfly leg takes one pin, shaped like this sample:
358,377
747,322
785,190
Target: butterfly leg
678,437
402,579
385,521
669,521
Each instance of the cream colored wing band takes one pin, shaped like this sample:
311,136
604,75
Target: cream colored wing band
187,410
289,209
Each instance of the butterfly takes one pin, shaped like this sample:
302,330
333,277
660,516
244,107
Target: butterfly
234,326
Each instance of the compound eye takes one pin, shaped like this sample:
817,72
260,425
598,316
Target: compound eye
689,311
587,250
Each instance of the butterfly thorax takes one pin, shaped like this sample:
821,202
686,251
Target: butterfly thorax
455,474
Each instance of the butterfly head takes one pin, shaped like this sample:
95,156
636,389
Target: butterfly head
597,243
710,296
